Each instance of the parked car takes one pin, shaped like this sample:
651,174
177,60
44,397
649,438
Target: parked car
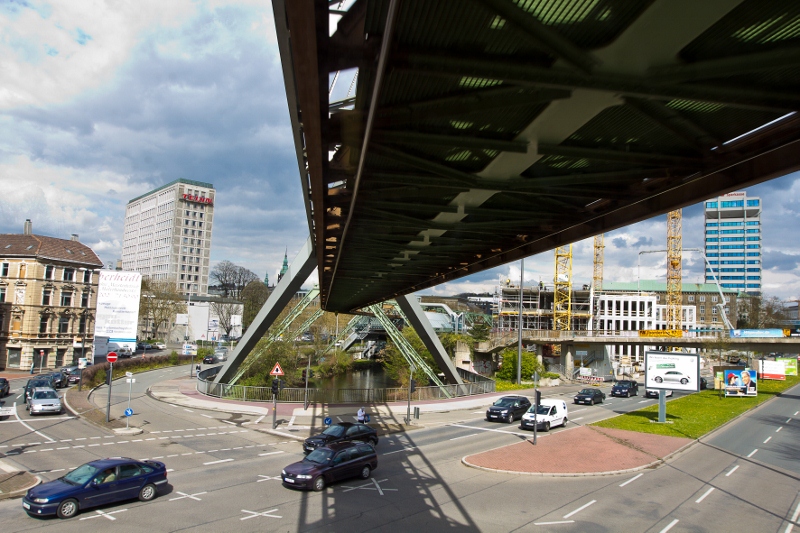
210,359
653,393
96,483
68,369
342,432
5,387
703,383
159,346
124,353
142,346
74,376
44,400
673,376
331,463
625,388
508,408
41,381
221,353
590,396
59,380
550,413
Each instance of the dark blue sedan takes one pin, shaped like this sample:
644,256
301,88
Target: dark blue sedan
97,483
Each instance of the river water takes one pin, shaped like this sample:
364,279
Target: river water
371,378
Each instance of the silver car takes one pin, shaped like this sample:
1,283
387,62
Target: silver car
673,376
221,353
44,400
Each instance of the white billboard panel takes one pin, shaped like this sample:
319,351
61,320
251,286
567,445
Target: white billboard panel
182,319
672,370
118,307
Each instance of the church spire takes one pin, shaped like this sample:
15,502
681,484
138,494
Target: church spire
285,266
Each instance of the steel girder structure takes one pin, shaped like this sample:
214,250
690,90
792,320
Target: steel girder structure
674,270
484,131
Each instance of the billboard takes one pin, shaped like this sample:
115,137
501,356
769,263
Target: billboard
789,365
672,370
660,333
772,369
757,333
740,382
118,307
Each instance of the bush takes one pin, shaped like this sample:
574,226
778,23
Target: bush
95,375
530,364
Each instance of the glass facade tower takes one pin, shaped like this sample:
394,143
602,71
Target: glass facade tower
733,241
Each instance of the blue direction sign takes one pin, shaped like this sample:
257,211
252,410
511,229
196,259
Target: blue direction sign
128,412
328,421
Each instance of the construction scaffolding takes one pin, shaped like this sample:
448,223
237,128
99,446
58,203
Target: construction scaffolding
562,303
538,303
674,260
597,278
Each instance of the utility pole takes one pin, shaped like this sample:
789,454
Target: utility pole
519,337
410,383
186,333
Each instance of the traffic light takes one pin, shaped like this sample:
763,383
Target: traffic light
305,374
413,385
538,397
311,373
275,387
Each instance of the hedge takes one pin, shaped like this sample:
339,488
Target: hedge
97,374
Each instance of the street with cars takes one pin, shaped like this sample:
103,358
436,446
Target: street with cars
225,471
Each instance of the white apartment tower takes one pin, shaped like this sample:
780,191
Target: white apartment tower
733,241
167,234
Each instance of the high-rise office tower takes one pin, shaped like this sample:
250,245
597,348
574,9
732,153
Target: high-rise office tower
167,234
733,240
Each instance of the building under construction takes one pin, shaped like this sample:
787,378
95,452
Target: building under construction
538,306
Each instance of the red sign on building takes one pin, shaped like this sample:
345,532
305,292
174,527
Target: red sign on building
198,199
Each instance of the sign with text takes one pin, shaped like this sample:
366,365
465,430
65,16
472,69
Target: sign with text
118,307
672,371
757,333
740,383
772,370
789,365
660,333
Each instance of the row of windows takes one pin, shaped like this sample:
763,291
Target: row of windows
733,224
67,274
732,203
63,324
739,262
734,254
194,214
733,239
742,285
740,278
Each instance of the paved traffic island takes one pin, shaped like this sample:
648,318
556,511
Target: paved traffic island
582,451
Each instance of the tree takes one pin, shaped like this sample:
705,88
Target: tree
755,312
225,310
530,364
160,301
232,278
480,331
253,297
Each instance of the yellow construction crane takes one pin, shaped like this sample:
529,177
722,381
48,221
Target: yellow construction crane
674,259
597,279
562,294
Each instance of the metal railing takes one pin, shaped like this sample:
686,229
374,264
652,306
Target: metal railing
336,396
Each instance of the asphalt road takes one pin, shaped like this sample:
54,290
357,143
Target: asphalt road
224,476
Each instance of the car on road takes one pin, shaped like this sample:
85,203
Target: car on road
40,381
221,353
341,432
74,376
549,413
5,387
590,396
142,346
673,376
44,400
625,387
59,379
99,482
68,369
210,359
160,346
653,393
331,463
508,409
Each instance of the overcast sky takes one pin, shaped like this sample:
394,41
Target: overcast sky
101,102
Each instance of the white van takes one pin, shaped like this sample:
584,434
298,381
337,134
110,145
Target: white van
551,413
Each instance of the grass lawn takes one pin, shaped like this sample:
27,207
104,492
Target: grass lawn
695,415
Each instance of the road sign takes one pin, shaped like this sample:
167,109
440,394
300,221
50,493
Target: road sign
128,412
82,362
276,370
328,421
130,380
128,374
111,357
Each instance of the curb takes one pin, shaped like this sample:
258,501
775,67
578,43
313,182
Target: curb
20,492
150,394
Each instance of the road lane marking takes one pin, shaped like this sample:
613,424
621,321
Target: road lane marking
465,436
669,526
732,471
254,514
225,421
579,418
766,441
788,420
490,429
105,514
188,410
632,479
751,454
207,416
259,419
581,508
794,519
398,451
551,523
703,497
778,430
217,462
643,401
16,414
795,413
270,453
190,496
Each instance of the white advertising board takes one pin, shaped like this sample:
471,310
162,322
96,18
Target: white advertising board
672,371
118,306
182,319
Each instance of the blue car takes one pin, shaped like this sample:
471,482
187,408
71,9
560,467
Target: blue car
96,483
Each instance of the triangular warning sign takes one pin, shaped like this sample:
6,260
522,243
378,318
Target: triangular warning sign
277,370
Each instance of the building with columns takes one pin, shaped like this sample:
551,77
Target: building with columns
48,297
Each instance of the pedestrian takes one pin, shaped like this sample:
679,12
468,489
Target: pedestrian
360,416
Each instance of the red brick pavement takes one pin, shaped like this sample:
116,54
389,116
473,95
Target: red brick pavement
580,450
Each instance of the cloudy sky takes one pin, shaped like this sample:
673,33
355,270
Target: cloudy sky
102,101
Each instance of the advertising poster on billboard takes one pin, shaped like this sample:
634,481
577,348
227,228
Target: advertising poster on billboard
789,365
118,307
672,370
741,383
772,370
758,333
